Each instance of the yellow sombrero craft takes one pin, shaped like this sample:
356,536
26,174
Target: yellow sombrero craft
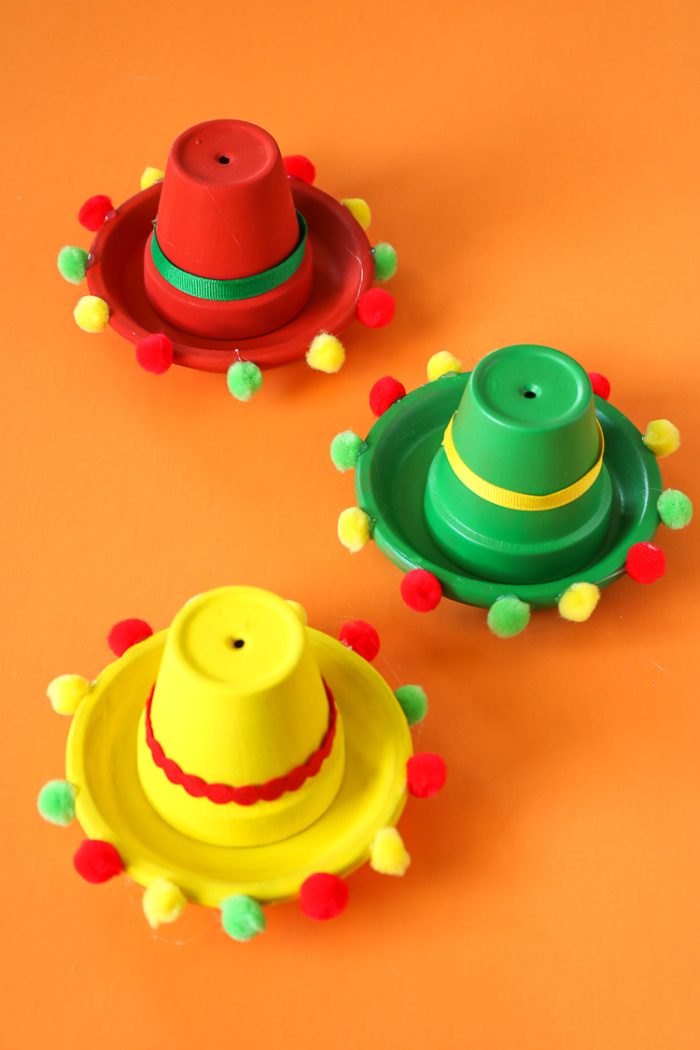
237,759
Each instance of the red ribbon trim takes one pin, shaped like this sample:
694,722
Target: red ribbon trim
248,794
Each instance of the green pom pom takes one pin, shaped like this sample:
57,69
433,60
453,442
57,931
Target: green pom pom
72,263
675,509
56,802
345,449
385,261
244,379
508,616
414,703
242,917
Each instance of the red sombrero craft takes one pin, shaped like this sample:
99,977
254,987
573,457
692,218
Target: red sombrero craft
514,487
230,261
238,759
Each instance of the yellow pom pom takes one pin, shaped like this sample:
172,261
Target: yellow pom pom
66,693
299,611
354,527
162,902
91,313
578,602
387,854
359,209
150,177
326,353
441,363
662,437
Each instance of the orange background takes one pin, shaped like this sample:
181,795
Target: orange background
536,166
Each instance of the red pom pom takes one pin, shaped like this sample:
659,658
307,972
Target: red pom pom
323,896
376,308
421,590
93,213
155,353
301,167
425,774
97,861
600,384
383,394
127,633
645,562
361,637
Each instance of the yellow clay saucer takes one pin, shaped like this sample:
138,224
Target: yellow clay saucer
111,805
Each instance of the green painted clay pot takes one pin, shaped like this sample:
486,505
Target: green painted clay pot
526,425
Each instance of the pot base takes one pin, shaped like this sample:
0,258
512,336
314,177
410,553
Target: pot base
527,547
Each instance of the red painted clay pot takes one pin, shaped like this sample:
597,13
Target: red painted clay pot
226,211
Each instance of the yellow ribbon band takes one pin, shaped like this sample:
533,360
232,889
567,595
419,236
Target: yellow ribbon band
519,500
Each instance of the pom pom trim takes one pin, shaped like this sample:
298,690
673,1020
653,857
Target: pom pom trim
662,437
91,314
163,902
299,611
127,633
361,637
385,261
600,385
354,529
244,379
323,896
97,861
242,918
385,393
388,855
578,602
345,450
645,563
359,209
376,308
154,353
508,616
150,176
95,211
425,774
442,363
67,692
72,263
56,803
300,167
421,590
413,702
326,354
675,509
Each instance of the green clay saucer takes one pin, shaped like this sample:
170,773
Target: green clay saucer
391,476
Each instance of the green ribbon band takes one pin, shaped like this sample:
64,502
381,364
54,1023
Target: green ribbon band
236,288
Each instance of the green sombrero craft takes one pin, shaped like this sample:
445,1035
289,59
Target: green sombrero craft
238,759
230,260
514,487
